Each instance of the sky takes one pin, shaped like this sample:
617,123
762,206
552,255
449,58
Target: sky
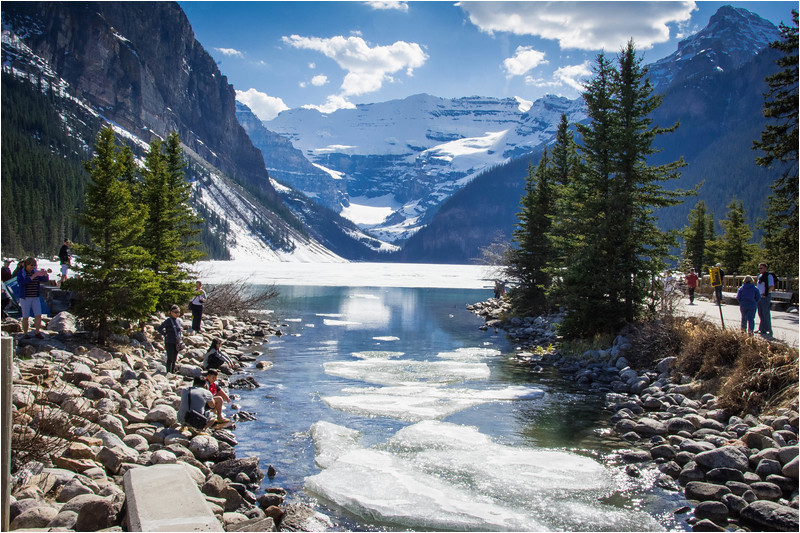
330,55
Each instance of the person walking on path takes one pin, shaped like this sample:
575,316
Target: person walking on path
65,258
691,284
748,296
29,280
196,305
219,395
171,330
766,284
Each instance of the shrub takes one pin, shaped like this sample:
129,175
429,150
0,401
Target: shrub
237,298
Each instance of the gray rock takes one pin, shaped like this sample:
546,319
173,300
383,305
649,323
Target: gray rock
35,517
786,454
697,490
691,472
18,507
231,467
791,468
63,322
72,488
666,364
162,414
715,511
786,484
254,524
161,457
725,457
204,447
663,451
113,457
695,447
98,514
676,425
770,516
724,475
64,519
634,456
734,503
768,467
113,424
707,525
648,427
766,491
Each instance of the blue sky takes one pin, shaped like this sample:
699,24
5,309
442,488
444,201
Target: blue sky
330,55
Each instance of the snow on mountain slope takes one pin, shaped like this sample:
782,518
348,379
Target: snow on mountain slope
399,160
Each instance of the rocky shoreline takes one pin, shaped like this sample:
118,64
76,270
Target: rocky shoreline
736,473
85,415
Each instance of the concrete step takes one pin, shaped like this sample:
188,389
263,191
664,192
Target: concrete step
165,498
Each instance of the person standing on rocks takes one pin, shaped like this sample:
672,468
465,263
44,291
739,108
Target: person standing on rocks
196,305
218,394
766,284
29,280
171,330
748,296
691,284
64,258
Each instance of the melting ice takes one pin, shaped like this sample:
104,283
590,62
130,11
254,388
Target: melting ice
437,475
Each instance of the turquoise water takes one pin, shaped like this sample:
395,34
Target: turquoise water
388,409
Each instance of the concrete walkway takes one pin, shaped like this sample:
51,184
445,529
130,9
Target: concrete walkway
785,326
165,498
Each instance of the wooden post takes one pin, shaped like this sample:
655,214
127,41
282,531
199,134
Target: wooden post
6,354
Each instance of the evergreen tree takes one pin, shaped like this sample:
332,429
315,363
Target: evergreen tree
779,141
530,259
734,247
113,279
170,224
694,237
712,243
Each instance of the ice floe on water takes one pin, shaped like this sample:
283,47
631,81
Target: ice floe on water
437,475
413,403
334,322
377,354
386,338
469,354
394,372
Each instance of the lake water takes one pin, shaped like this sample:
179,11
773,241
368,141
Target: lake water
388,409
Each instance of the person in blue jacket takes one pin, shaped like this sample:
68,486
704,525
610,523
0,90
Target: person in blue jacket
748,296
29,279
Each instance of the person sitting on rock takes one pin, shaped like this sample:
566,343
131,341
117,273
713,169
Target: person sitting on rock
214,357
196,404
219,395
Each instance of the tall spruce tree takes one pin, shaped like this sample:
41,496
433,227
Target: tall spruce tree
170,226
114,280
624,251
530,259
694,236
779,141
734,248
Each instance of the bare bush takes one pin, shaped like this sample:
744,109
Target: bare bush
238,298
40,431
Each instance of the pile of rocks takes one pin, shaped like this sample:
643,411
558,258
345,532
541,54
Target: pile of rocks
525,331
84,415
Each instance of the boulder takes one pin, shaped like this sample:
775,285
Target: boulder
98,514
770,516
160,457
766,491
112,457
648,427
697,490
725,457
73,488
162,414
64,520
63,322
99,355
791,468
717,512
229,468
35,517
204,447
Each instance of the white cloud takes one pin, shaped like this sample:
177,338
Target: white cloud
367,67
525,58
388,4
333,103
571,76
319,80
229,52
263,106
582,25
312,65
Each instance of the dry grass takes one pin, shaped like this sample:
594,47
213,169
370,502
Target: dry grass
748,374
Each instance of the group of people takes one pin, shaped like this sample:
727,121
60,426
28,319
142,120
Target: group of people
755,296
202,399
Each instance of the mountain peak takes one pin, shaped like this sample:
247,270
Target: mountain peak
732,37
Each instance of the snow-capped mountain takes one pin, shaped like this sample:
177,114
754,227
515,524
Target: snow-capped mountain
395,162
732,37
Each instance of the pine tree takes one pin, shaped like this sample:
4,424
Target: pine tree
712,243
779,141
734,245
530,259
694,237
113,280
170,224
